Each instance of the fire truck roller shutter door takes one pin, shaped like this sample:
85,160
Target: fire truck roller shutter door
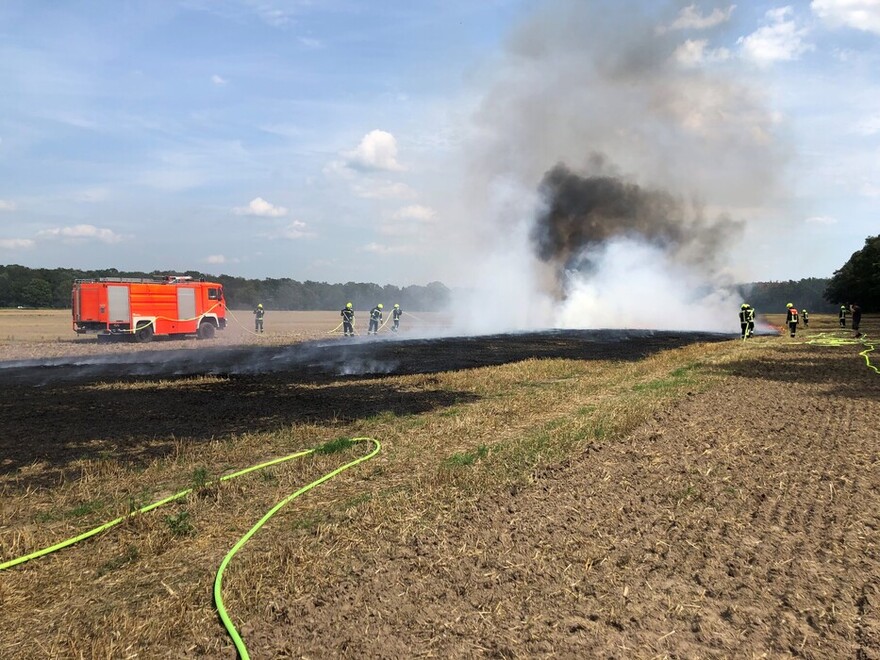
186,303
117,300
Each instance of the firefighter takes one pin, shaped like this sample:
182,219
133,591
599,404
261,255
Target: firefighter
791,318
856,319
806,317
347,315
841,315
751,329
396,313
375,318
259,313
744,320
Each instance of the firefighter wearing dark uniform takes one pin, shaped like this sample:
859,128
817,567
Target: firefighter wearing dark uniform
259,313
792,318
841,315
375,318
751,330
856,319
347,315
396,313
806,317
744,320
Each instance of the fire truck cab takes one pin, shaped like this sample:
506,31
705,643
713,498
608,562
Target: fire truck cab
175,305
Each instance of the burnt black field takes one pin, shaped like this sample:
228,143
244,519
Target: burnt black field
360,356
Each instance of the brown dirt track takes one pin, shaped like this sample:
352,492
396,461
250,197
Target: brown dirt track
742,521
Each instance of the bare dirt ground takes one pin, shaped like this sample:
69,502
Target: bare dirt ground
741,522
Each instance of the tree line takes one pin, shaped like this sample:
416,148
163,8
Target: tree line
857,281
21,286
770,297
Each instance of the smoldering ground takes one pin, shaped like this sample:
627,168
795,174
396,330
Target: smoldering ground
322,361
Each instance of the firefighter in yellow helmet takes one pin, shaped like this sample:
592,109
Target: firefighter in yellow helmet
841,316
259,313
347,315
805,317
791,318
744,320
396,313
375,319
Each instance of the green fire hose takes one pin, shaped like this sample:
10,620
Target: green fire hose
218,581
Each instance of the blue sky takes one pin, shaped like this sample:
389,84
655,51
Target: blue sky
399,142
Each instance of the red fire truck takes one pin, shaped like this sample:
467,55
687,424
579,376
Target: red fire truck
144,308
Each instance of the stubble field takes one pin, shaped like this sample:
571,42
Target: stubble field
563,494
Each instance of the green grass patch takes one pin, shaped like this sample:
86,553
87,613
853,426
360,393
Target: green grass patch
467,458
180,524
86,508
357,500
309,522
200,478
677,378
130,555
334,446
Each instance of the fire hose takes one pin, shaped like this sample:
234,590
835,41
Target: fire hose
243,327
218,580
823,339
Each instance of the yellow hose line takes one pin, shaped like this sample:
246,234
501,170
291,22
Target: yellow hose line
218,580
100,528
243,327
822,339
415,317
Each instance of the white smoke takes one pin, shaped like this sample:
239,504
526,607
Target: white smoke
636,285
580,79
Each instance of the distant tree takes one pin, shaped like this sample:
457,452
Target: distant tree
42,287
768,297
858,280
37,293
6,297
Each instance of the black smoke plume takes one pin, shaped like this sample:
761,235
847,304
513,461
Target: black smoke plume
582,212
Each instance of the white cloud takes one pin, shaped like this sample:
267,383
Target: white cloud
409,221
779,40
859,14
693,52
6,205
296,230
377,151
261,208
219,80
82,232
869,125
821,220
311,43
869,189
690,18
215,259
16,243
91,195
415,212
380,248
372,189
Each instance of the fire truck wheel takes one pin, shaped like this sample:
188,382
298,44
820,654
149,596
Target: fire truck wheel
144,333
206,330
